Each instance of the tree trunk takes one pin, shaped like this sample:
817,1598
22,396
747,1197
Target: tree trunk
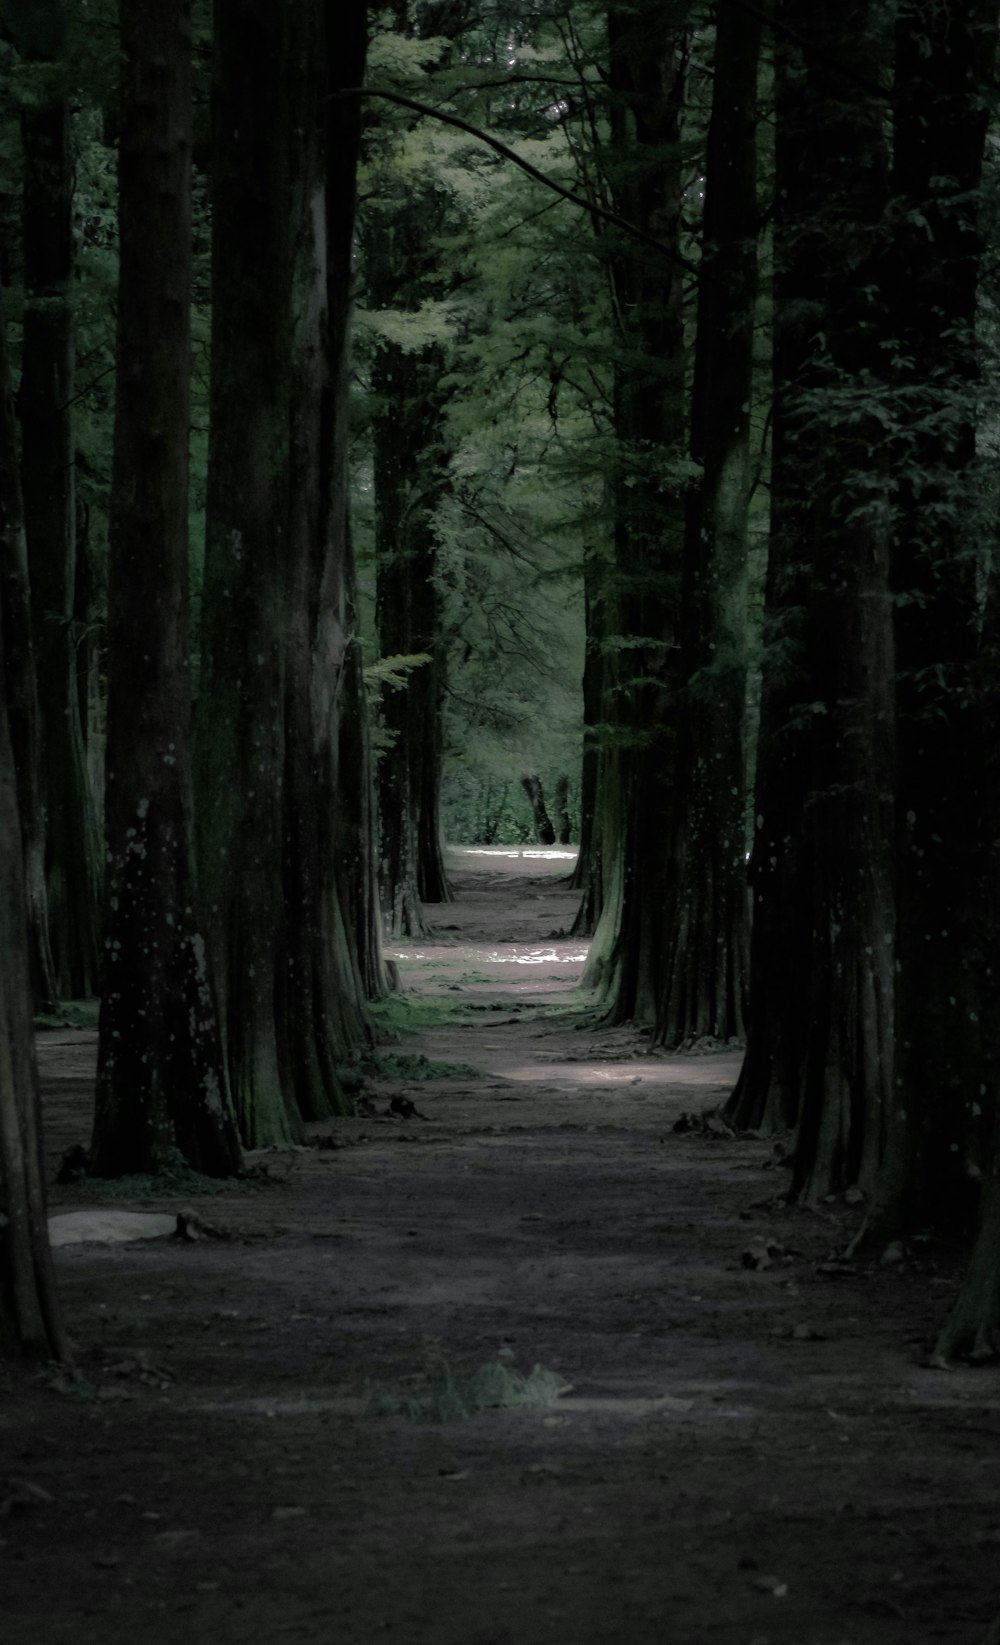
707,921
560,804
161,1078
44,401
29,1314
647,68
944,56
240,729
19,688
326,1009
545,834
412,475
587,873
820,1027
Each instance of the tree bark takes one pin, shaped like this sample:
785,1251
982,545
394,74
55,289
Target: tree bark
820,1028
647,67
161,1076
944,56
240,721
545,834
19,686
412,475
45,400
707,922
29,1313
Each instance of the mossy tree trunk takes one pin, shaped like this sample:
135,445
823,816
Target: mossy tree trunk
647,70
161,1076
19,687
45,402
707,923
820,1023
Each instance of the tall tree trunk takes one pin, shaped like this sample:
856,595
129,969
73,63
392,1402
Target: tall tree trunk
411,475
161,1076
647,67
19,688
323,1005
820,1028
944,58
707,921
29,1314
45,401
240,721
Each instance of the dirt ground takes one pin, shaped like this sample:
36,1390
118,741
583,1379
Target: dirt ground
747,1455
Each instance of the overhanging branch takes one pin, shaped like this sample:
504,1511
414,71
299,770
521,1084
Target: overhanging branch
507,153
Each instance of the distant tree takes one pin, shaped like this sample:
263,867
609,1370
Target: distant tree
161,1081
411,474
45,402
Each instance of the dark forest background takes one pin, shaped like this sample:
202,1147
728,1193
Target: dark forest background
503,422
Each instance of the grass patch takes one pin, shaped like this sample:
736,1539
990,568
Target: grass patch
413,1065
175,1179
409,1013
70,1014
452,1395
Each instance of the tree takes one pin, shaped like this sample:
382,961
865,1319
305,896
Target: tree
19,686
648,55
706,915
45,401
29,1315
820,1024
944,61
161,1076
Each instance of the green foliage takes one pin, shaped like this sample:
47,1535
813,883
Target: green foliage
452,1395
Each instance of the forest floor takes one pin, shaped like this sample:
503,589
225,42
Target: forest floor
261,1440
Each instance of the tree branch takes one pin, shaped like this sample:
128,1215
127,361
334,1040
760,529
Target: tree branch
516,159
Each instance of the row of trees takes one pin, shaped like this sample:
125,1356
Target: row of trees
548,449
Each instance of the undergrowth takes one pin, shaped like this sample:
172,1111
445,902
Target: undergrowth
175,1178
413,1065
453,1394
70,1014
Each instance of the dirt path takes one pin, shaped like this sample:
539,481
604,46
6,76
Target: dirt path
746,1456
